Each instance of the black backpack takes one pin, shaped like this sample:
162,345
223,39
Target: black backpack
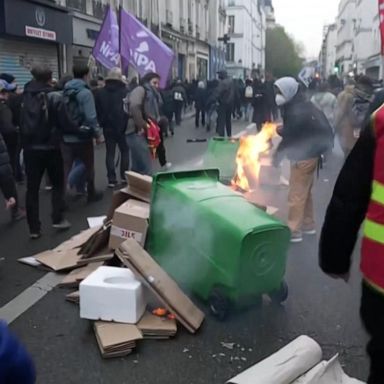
322,131
35,123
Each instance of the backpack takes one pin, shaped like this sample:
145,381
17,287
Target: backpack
360,110
35,123
321,130
69,116
249,92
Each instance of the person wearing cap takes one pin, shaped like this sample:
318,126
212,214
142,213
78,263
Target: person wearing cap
226,98
113,120
7,129
302,143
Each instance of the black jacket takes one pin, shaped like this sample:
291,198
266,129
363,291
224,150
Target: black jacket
348,207
6,120
226,92
109,107
39,141
6,174
201,98
300,140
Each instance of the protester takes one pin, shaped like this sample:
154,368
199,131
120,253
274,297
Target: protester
180,99
326,102
200,102
358,195
79,144
8,185
306,135
270,103
144,104
239,92
247,100
345,123
168,109
226,95
16,366
113,120
259,104
41,143
362,98
212,104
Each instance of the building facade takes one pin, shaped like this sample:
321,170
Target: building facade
63,32
247,29
328,51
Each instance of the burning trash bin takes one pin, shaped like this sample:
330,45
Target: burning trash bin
211,240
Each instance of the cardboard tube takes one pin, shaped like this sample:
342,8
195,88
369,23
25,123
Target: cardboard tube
285,365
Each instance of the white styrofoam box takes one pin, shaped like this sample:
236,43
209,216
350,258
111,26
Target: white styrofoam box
112,294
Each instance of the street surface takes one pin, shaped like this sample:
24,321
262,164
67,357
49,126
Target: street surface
64,346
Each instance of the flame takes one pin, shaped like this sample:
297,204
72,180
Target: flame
248,156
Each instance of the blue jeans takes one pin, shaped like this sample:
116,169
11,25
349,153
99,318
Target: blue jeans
141,157
77,178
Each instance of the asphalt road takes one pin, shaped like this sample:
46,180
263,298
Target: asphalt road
64,346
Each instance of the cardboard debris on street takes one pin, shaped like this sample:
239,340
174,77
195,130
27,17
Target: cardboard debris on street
123,229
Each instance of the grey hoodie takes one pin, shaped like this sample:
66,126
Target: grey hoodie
86,108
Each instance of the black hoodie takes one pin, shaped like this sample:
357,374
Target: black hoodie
109,107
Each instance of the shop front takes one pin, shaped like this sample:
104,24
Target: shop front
32,33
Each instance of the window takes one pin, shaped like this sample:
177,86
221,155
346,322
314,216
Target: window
231,24
80,5
230,53
99,9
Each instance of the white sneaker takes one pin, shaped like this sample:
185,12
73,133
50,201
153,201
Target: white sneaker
166,167
296,237
310,232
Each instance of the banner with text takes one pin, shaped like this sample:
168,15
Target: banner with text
106,49
143,49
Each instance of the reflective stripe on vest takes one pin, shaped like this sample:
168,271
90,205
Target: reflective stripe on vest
372,262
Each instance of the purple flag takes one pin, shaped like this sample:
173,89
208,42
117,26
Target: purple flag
143,49
106,49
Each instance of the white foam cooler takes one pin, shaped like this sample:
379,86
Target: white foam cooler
112,294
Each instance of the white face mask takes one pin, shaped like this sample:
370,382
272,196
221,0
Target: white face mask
280,100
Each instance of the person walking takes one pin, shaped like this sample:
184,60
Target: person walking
226,95
326,102
270,103
212,104
180,98
200,104
168,109
79,144
41,143
306,135
358,196
247,100
113,120
259,104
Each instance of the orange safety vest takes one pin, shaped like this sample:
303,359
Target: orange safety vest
372,262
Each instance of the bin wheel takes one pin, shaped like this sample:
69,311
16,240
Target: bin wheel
281,295
219,304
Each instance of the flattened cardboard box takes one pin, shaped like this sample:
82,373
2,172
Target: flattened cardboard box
97,242
74,278
155,327
161,284
59,261
130,221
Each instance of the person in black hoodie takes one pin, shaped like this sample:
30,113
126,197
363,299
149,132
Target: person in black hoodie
41,143
113,120
305,135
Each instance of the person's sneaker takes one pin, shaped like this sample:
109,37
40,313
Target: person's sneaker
296,237
62,225
94,197
112,185
309,231
166,167
48,187
18,214
35,235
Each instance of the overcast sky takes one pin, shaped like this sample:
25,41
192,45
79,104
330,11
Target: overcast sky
304,19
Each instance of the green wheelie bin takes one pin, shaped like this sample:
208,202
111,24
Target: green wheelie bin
215,243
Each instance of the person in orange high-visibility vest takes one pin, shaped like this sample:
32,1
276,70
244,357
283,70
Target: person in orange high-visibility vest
358,198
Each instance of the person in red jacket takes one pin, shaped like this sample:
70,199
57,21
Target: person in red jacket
359,196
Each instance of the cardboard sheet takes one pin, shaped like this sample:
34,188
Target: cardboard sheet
139,186
116,340
96,222
74,278
96,242
29,260
155,327
78,240
161,284
59,261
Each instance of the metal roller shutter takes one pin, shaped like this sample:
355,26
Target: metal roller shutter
18,57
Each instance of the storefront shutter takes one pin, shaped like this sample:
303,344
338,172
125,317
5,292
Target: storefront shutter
18,57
